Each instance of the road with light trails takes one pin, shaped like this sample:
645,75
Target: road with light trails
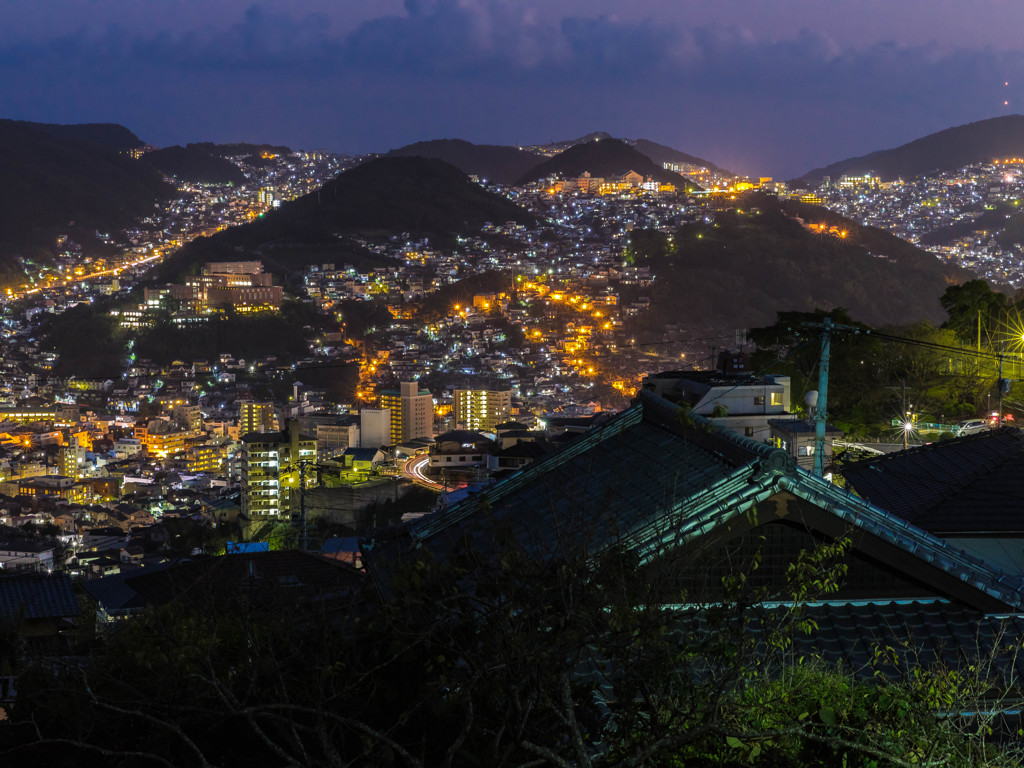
64,282
413,469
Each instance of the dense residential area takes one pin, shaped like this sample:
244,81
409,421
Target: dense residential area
585,447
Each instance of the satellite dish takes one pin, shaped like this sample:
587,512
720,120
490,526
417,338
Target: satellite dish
811,399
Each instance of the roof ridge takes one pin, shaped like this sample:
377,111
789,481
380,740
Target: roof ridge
907,536
660,406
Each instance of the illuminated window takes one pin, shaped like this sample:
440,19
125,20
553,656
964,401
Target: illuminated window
776,398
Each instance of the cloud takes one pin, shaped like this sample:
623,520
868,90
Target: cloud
497,70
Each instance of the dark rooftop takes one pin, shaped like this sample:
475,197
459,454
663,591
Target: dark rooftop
967,485
654,479
712,378
304,575
37,596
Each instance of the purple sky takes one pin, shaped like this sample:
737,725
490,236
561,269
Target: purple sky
772,87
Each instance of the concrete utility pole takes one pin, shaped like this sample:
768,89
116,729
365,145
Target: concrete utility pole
821,413
826,328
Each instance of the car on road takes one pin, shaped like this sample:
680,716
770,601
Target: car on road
972,427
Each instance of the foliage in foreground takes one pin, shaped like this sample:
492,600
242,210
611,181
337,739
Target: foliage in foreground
504,663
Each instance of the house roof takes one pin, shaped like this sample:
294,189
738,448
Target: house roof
302,575
916,633
510,425
654,479
712,378
526,449
113,593
37,596
362,454
462,436
967,485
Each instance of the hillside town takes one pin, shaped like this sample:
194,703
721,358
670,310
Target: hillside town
231,447
446,386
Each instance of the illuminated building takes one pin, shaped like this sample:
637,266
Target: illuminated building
256,416
205,457
56,486
374,427
70,459
242,285
481,409
27,415
729,397
332,439
412,412
188,417
233,268
273,465
161,438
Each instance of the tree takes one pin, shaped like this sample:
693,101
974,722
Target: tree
647,246
973,309
501,660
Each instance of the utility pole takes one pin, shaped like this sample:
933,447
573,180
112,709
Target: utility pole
826,328
822,411
1004,386
304,538
300,521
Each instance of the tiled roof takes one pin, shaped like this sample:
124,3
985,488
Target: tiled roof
592,493
37,596
921,633
968,485
113,594
304,575
652,480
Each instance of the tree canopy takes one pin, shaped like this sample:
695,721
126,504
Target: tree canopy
505,662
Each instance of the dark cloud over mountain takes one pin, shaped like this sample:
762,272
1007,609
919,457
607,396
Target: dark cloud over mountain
497,72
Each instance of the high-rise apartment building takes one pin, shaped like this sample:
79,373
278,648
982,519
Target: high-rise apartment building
412,411
481,409
374,427
273,465
256,416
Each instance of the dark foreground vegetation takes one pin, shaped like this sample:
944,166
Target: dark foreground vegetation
503,662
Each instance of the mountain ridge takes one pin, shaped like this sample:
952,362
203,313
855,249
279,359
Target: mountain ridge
604,158
737,270
493,162
50,180
383,197
195,165
946,150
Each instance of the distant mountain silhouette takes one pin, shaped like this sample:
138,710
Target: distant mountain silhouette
195,165
561,146
386,196
605,158
48,180
109,136
239,149
662,154
947,150
757,259
492,162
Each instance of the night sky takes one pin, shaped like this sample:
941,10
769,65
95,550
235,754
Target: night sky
771,87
